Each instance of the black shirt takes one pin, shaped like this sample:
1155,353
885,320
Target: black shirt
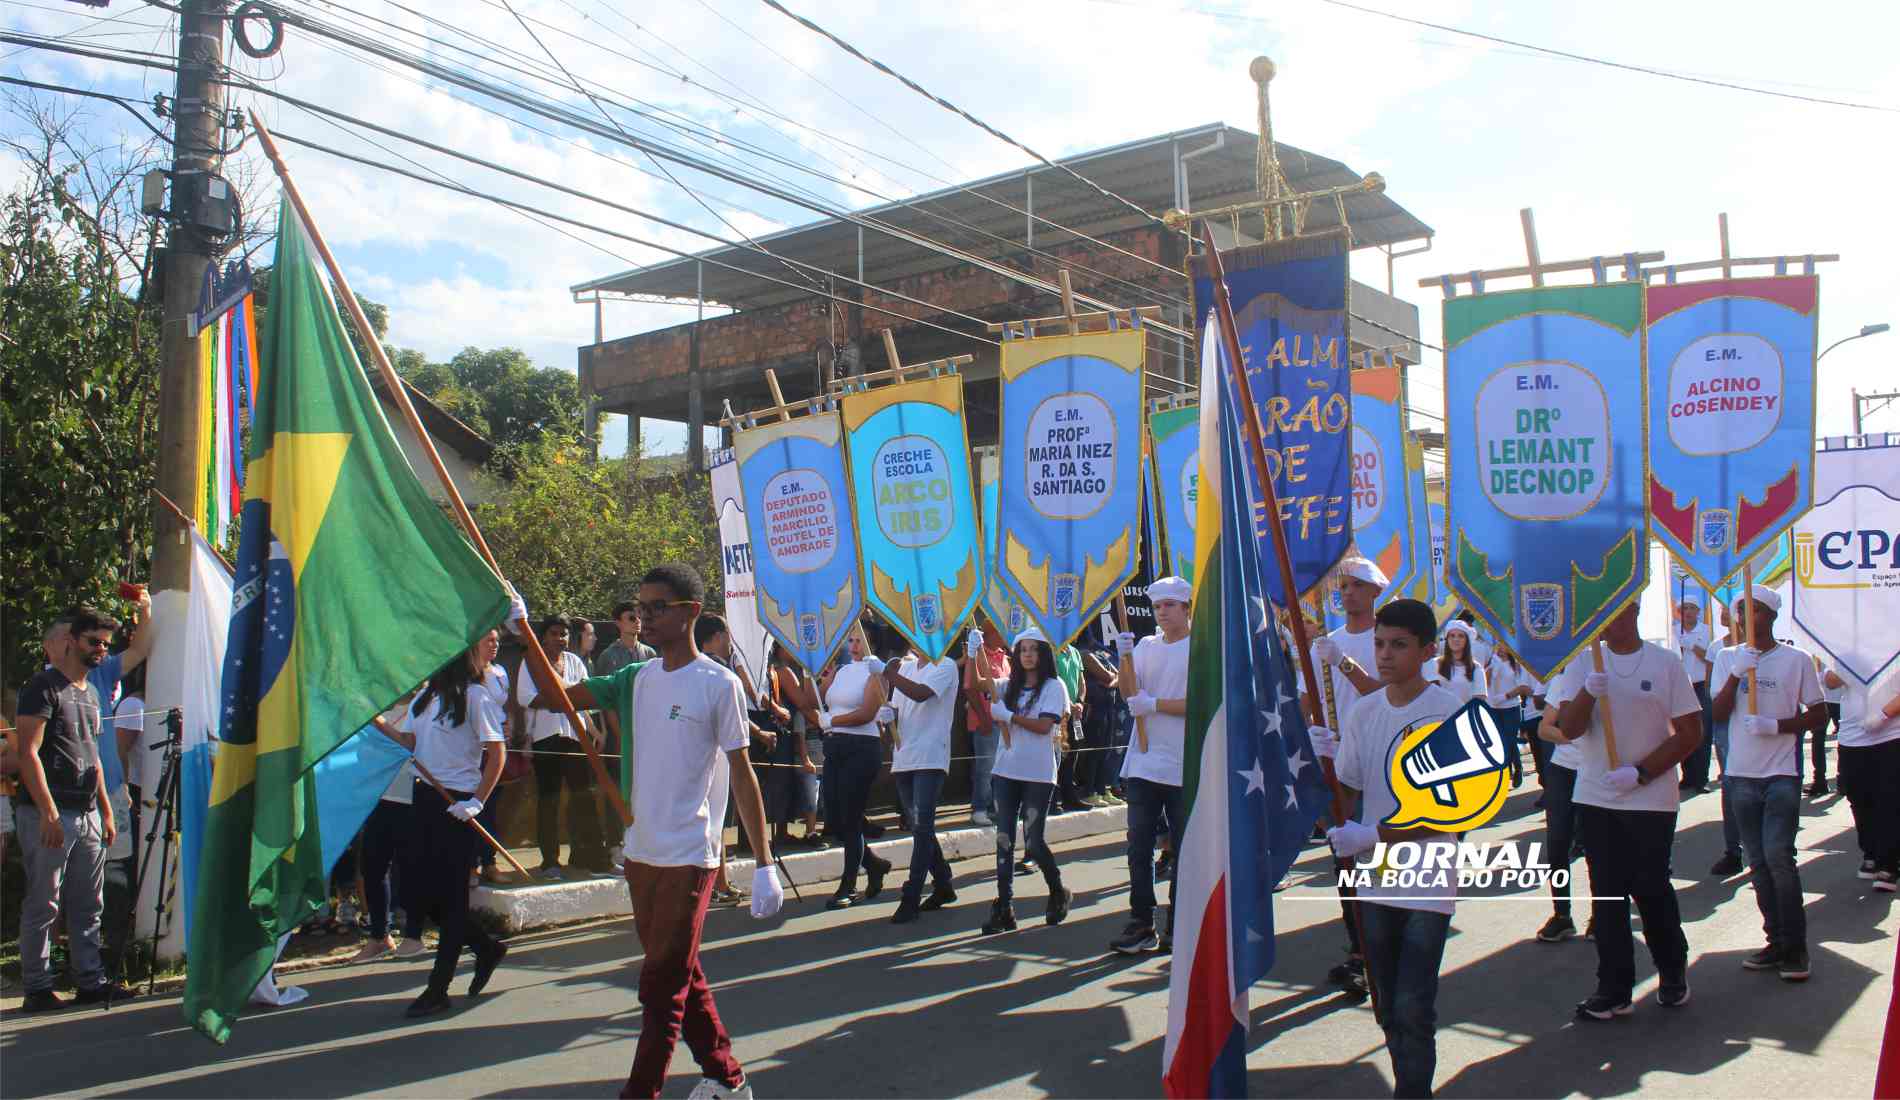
69,745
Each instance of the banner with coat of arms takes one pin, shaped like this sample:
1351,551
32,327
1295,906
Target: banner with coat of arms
1176,436
1383,508
1546,524
1290,306
1846,591
804,545
1731,416
1069,481
918,533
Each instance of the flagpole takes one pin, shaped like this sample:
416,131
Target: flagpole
545,680
1257,450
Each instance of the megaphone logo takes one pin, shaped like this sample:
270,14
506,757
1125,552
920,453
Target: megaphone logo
1450,775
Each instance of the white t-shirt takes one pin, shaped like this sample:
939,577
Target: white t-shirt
1788,685
145,764
1368,740
543,724
1460,685
1031,757
495,679
846,694
1648,688
1359,648
1687,641
453,753
1831,694
1861,724
1161,670
923,729
684,724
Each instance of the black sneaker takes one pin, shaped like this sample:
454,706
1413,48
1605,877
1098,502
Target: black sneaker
1886,882
1002,918
1350,976
1866,869
1058,910
1768,958
1729,864
1673,994
841,901
1794,965
874,871
1136,939
1557,929
1024,867
42,1000
1818,789
428,1004
907,910
485,968
1600,1007
108,993
939,897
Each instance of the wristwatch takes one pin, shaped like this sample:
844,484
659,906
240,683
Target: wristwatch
1642,777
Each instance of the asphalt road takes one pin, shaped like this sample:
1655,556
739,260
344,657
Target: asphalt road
845,1004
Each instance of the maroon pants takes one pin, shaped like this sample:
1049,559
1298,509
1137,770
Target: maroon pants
669,911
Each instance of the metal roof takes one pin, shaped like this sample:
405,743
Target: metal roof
1142,171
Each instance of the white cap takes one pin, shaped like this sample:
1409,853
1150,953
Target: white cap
1031,634
1363,569
1765,596
1171,588
1459,626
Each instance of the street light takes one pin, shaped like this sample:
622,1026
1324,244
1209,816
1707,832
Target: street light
1865,330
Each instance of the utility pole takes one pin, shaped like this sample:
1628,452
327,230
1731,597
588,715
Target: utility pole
198,124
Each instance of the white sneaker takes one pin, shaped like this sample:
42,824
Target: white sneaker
709,1089
410,948
980,820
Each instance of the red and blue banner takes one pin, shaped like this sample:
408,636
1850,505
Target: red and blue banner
1731,416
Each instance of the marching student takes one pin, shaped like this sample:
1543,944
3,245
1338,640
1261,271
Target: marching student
458,742
1028,709
685,717
1693,639
1764,743
1509,688
1560,823
1869,768
1626,808
1404,929
853,693
1151,777
1345,657
1457,669
1725,649
924,697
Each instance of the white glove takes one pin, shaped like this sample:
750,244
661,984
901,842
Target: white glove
767,895
1325,742
463,811
1623,780
973,643
1326,651
517,607
1124,645
886,715
876,665
1761,725
1597,684
1141,704
1745,660
824,721
1352,839
1000,713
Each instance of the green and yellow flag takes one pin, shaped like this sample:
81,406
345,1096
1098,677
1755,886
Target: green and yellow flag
352,586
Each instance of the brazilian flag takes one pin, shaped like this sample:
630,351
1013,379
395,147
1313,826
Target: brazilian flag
352,586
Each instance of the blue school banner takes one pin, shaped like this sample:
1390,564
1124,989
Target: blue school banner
1176,441
804,545
918,534
1545,512
1290,305
1003,608
1385,516
1070,474
1771,563
1731,416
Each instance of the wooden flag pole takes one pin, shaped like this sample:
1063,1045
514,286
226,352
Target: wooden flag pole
1603,706
545,679
423,771
1748,624
1125,681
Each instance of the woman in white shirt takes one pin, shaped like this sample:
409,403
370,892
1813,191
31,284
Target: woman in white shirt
459,744
853,692
1508,691
1458,669
1028,710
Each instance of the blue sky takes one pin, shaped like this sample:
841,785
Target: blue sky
1465,132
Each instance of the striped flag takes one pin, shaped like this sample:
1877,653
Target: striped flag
1252,787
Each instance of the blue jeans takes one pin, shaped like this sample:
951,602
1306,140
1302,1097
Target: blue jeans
919,790
1154,810
1769,811
1121,731
851,764
983,746
1403,950
1560,828
1695,770
1032,801
1731,832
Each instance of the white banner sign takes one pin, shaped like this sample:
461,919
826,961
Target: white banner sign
1847,561
750,642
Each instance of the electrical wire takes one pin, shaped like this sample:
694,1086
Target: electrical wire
128,104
